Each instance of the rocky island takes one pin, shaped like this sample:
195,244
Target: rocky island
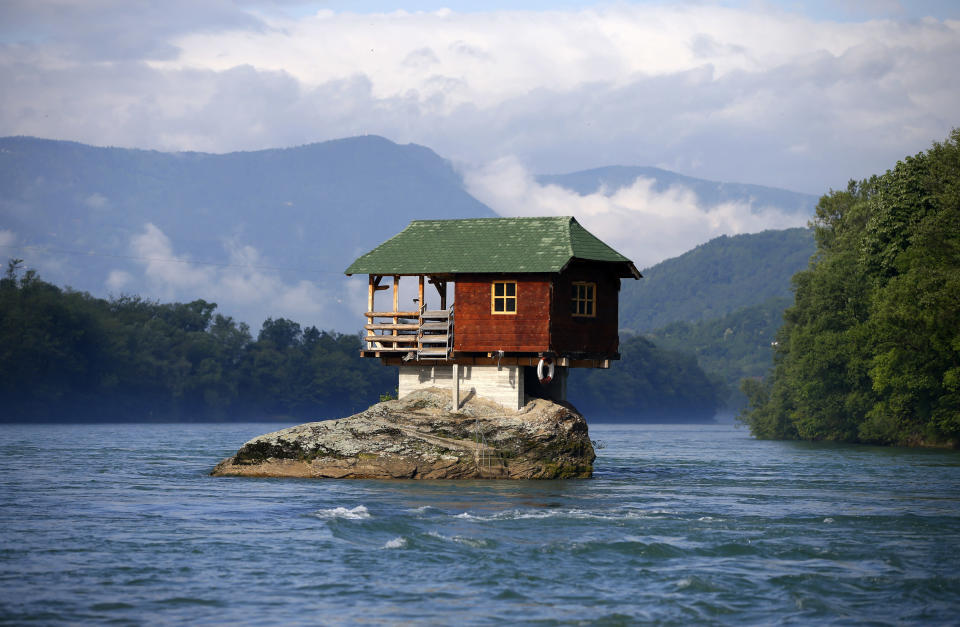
421,436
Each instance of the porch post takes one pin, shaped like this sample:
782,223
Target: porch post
456,387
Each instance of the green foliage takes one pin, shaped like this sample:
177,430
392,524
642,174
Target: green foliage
715,279
870,349
731,347
649,384
65,355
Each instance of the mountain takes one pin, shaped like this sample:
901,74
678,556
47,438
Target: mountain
650,384
305,211
730,348
299,215
709,193
715,279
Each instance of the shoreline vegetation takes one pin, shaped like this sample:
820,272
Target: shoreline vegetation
870,348
66,356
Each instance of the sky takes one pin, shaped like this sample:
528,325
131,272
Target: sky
790,94
798,95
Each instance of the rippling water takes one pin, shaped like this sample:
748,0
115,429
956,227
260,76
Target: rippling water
120,523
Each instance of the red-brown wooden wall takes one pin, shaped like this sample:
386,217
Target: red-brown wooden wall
574,334
476,329
543,322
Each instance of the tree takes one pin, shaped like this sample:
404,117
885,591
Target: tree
870,349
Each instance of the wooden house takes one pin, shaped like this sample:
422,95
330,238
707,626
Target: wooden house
532,297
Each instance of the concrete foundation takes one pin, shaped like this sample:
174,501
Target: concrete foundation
507,385
502,385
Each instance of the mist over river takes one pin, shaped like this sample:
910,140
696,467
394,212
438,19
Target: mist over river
680,524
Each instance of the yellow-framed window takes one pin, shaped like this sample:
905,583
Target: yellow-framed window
583,301
503,297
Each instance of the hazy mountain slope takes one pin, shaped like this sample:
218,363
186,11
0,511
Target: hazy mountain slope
714,279
709,193
650,384
311,208
732,347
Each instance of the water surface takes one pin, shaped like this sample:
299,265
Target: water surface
121,523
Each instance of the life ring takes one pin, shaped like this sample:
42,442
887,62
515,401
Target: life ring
545,370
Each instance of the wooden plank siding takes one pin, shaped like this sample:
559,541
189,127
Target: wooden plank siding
544,321
477,329
578,334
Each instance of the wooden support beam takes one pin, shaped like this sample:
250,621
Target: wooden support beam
391,327
396,301
391,339
441,285
391,314
481,360
420,294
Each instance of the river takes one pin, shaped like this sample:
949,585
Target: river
680,524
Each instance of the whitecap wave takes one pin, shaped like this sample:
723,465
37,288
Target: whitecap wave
397,543
476,543
423,509
355,513
518,514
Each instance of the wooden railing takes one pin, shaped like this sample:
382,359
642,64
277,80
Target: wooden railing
426,334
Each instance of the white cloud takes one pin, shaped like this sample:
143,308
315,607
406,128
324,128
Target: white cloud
7,237
751,94
96,200
244,286
164,269
646,225
117,280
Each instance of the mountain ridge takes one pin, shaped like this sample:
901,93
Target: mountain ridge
300,212
294,209
609,179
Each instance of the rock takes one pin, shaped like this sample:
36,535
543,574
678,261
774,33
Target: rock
419,437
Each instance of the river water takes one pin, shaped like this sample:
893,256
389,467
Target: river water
122,524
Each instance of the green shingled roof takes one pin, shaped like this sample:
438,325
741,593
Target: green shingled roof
482,245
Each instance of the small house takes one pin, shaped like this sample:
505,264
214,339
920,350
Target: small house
532,297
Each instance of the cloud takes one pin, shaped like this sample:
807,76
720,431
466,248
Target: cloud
243,286
739,94
115,30
646,225
117,280
96,200
7,237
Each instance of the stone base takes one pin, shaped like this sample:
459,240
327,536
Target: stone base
509,386
421,436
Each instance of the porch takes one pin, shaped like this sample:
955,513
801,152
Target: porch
422,334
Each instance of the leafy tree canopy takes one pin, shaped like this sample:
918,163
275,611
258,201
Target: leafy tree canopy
870,349
65,355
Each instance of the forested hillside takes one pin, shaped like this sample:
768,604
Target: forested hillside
67,356
729,348
714,279
649,384
870,349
